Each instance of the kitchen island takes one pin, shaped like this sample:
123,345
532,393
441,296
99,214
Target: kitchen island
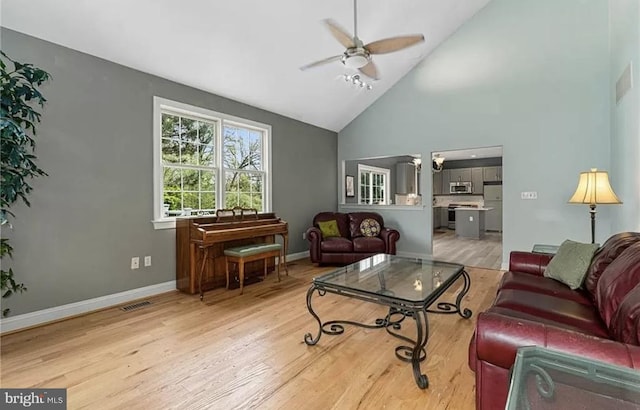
470,222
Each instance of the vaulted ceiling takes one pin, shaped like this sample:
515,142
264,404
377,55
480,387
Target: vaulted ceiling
247,50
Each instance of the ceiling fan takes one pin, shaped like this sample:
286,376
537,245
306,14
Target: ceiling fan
357,54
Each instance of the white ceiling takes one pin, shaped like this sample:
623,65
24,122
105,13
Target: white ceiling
247,50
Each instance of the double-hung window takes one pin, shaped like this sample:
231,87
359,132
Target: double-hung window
205,161
374,185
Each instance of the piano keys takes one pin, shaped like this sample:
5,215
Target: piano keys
216,233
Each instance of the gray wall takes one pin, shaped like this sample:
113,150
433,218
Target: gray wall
93,212
531,76
625,122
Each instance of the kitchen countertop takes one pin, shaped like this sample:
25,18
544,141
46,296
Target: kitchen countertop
462,208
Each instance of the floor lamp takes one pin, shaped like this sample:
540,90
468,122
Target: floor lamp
593,189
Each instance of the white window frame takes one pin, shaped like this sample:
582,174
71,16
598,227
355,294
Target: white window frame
387,177
161,105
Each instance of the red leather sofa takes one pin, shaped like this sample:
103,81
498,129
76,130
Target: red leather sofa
601,320
352,245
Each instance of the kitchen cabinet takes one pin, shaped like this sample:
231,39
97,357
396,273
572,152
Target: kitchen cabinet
460,175
493,220
436,218
492,173
437,183
493,199
444,217
406,178
477,175
470,223
446,178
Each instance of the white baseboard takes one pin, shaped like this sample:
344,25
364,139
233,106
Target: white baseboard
296,256
72,309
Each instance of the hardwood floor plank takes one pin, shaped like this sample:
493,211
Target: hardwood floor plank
247,351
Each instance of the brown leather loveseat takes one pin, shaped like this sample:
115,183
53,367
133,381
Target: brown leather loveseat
600,320
357,237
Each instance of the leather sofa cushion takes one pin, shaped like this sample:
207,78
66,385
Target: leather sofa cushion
607,253
553,309
599,331
545,286
356,218
336,245
625,324
368,244
341,219
617,280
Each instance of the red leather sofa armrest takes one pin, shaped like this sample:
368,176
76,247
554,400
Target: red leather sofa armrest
498,338
528,262
390,237
314,236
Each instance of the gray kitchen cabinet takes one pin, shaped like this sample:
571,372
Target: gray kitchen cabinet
477,175
492,173
406,178
470,223
493,219
460,175
444,217
436,218
446,178
437,183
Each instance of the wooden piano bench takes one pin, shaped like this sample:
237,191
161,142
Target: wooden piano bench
250,253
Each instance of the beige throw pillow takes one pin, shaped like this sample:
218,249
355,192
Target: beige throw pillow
571,262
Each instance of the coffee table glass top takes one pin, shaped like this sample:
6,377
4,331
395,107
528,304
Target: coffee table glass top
410,279
547,379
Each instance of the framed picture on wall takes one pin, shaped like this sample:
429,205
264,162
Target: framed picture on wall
348,186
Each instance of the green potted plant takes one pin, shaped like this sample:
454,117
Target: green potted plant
19,91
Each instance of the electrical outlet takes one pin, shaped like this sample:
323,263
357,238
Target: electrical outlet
529,195
135,262
471,219
147,261
304,236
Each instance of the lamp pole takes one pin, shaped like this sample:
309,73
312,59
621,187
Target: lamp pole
592,211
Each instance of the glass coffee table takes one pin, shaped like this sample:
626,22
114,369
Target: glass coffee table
408,286
542,378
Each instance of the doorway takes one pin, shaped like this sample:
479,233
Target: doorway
467,206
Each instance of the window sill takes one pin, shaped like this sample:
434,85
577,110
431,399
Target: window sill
168,223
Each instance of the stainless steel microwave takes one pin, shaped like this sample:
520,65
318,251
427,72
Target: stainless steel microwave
460,188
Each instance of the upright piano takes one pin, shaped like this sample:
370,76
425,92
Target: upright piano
194,234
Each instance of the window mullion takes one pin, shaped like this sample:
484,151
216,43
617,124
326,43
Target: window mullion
221,172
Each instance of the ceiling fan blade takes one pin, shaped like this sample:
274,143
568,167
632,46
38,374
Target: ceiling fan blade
370,70
340,34
389,45
321,62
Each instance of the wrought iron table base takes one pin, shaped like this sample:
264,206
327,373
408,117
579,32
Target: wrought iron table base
392,322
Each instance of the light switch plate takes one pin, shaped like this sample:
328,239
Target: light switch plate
529,195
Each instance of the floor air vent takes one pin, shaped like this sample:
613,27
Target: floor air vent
135,306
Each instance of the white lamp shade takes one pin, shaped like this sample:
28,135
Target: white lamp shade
594,188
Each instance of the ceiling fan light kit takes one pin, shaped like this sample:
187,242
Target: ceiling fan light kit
356,80
357,55
358,59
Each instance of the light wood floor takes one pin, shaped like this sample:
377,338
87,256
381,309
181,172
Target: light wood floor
485,253
245,351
